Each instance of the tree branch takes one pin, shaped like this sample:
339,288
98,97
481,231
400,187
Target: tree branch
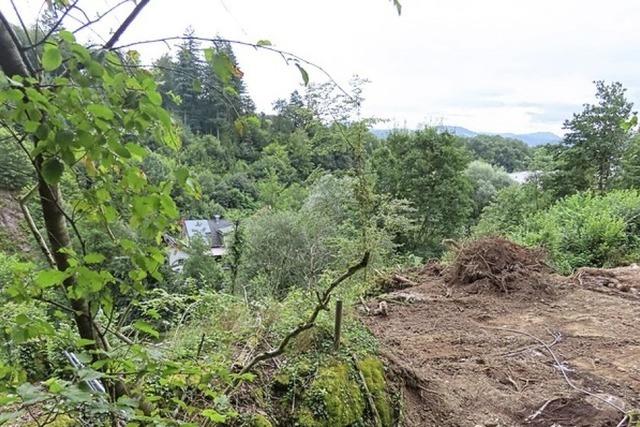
100,16
34,229
123,27
52,29
287,56
323,301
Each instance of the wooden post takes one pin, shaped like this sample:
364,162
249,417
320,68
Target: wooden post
338,326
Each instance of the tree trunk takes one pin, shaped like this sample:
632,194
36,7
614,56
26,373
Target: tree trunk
12,64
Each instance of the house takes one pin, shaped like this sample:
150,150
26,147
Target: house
215,232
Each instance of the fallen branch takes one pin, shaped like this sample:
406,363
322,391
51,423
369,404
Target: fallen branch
623,421
323,302
558,363
539,411
556,339
398,278
364,305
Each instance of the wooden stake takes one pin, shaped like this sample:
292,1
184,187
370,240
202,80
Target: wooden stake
338,326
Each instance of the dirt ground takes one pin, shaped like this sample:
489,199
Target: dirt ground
470,356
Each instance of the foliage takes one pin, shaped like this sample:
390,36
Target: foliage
486,181
512,207
630,176
597,137
96,111
510,154
202,267
587,230
427,169
15,170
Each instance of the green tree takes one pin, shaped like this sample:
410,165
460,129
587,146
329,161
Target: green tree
630,177
486,181
510,154
597,137
511,209
427,169
202,267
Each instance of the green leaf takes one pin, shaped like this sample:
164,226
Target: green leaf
214,415
197,86
222,65
47,278
66,36
51,170
154,97
83,342
304,74
101,111
145,327
263,43
94,258
51,57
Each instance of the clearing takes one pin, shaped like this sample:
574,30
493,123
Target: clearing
470,345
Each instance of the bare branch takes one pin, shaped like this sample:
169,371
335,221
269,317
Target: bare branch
99,17
558,364
52,29
24,27
123,27
321,305
34,229
287,56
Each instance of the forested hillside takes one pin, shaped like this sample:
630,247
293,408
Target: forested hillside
105,159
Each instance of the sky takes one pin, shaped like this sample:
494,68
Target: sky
490,66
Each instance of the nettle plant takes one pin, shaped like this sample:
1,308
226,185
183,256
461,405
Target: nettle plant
80,118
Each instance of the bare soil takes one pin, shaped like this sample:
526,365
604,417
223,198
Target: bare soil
466,352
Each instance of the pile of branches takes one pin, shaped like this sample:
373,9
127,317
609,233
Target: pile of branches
498,264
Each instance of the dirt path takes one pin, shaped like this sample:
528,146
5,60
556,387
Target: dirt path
461,367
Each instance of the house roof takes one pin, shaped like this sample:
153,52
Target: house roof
212,229
195,227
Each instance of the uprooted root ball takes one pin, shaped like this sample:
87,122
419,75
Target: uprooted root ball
494,263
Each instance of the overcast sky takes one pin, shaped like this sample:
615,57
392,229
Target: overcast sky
490,65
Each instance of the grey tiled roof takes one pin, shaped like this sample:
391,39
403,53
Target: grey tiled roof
213,229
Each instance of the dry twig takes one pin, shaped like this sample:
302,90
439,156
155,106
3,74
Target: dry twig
558,363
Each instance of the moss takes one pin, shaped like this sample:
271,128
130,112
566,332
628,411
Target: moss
259,420
373,372
281,381
59,421
334,399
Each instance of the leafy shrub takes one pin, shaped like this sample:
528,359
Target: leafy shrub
510,209
486,181
587,229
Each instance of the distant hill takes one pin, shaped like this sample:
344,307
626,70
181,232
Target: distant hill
531,139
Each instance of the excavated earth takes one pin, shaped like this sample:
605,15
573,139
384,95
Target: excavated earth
473,354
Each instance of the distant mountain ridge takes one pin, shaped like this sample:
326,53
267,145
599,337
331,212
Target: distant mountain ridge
531,139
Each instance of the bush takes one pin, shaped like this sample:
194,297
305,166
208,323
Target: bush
486,181
15,170
587,230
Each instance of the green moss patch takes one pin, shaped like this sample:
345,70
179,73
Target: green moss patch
334,399
373,372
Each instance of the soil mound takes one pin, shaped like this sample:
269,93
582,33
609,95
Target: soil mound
465,358
494,263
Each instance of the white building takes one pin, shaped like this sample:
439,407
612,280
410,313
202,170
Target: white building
215,231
